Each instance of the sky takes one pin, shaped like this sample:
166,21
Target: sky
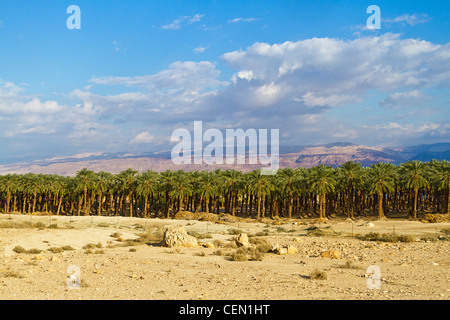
136,71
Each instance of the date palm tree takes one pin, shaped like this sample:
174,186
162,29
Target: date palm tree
209,187
413,174
259,185
322,182
147,184
233,183
441,178
381,179
167,187
127,185
182,189
85,180
289,180
350,178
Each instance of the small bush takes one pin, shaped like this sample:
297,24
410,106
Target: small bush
234,232
262,245
238,256
256,255
350,264
39,225
386,237
12,274
34,251
60,249
318,275
103,225
320,232
19,249
93,246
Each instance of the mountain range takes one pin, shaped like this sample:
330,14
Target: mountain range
333,154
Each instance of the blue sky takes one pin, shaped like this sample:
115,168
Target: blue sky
137,70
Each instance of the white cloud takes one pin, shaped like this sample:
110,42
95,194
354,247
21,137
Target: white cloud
235,20
399,100
182,75
344,68
199,49
410,19
182,21
143,137
311,100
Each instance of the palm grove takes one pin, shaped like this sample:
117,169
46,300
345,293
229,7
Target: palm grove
412,188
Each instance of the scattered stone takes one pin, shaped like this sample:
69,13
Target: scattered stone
242,240
209,245
176,236
291,250
333,254
284,250
277,249
38,257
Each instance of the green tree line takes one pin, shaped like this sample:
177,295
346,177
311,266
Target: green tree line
381,190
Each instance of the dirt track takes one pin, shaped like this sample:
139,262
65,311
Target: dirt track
413,270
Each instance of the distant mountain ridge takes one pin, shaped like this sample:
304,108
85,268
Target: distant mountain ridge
333,154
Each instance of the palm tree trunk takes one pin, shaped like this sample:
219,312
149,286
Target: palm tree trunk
416,194
448,201
131,204
59,205
85,201
8,199
290,205
34,201
100,200
380,206
321,207
145,206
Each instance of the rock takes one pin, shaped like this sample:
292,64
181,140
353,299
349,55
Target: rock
283,250
291,250
333,254
176,236
38,257
277,249
242,240
209,245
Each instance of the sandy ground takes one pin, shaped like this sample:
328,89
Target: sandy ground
413,270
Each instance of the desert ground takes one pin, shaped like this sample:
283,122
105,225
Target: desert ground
121,258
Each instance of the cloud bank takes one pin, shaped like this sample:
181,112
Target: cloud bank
315,91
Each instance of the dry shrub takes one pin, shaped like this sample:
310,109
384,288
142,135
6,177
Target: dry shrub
239,256
386,237
436,218
318,275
